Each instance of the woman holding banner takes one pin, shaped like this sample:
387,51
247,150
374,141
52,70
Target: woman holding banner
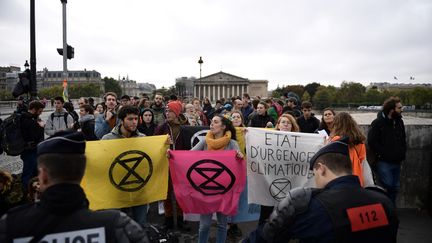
221,136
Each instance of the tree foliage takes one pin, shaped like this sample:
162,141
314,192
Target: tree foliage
312,88
112,85
75,91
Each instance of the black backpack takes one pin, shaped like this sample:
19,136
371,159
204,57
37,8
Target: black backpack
65,115
11,139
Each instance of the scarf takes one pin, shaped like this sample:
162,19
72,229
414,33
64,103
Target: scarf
217,143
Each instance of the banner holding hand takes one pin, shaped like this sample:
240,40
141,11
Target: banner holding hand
207,181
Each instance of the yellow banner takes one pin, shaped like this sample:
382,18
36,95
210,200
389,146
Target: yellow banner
126,172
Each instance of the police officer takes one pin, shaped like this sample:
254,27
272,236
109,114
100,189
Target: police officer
339,210
62,215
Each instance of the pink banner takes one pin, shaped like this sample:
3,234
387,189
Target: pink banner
207,181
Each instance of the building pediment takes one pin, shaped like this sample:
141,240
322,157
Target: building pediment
221,78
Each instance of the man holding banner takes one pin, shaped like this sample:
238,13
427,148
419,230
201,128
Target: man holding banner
128,128
339,211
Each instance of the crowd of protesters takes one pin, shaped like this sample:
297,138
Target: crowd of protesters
124,117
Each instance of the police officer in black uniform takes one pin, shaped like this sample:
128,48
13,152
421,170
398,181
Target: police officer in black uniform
63,214
339,210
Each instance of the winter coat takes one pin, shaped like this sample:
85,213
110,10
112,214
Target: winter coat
57,122
260,121
387,139
308,126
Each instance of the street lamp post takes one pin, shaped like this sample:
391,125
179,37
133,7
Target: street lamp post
65,71
26,65
200,61
33,86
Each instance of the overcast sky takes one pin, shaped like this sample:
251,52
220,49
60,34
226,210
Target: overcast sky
285,42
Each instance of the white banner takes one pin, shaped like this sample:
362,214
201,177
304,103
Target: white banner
278,162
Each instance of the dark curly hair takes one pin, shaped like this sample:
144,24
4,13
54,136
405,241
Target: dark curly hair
228,125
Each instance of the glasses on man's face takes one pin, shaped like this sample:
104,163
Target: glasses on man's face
399,107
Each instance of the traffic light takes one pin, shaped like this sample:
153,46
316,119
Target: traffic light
23,85
70,52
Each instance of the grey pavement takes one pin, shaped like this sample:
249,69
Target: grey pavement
415,226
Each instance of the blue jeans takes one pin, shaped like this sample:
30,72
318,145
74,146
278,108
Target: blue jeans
389,177
204,227
29,158
137,213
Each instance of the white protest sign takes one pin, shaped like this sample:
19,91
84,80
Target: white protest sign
278,162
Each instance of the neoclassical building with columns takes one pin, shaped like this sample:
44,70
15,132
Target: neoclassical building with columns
218,85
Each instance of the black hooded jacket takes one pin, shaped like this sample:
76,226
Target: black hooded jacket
387,138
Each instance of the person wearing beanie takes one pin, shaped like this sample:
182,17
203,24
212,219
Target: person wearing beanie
338,210
172,126
63,213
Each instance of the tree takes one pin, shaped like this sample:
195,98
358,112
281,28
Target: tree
51,92
111,85
323,97
312,88
6,95
306,96
373,97
298,89
351,92
420,96
84,90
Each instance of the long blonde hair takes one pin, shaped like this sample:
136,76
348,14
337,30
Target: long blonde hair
345,126
295,127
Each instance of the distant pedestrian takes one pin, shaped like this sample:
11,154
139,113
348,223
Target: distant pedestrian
108,120
292,108
158,108
387,139
32,128
69,107
261,118
327,121
147,125
308,123
87,122
59,120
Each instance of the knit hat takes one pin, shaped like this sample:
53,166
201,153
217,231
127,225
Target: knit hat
336,147
175,106
64,142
